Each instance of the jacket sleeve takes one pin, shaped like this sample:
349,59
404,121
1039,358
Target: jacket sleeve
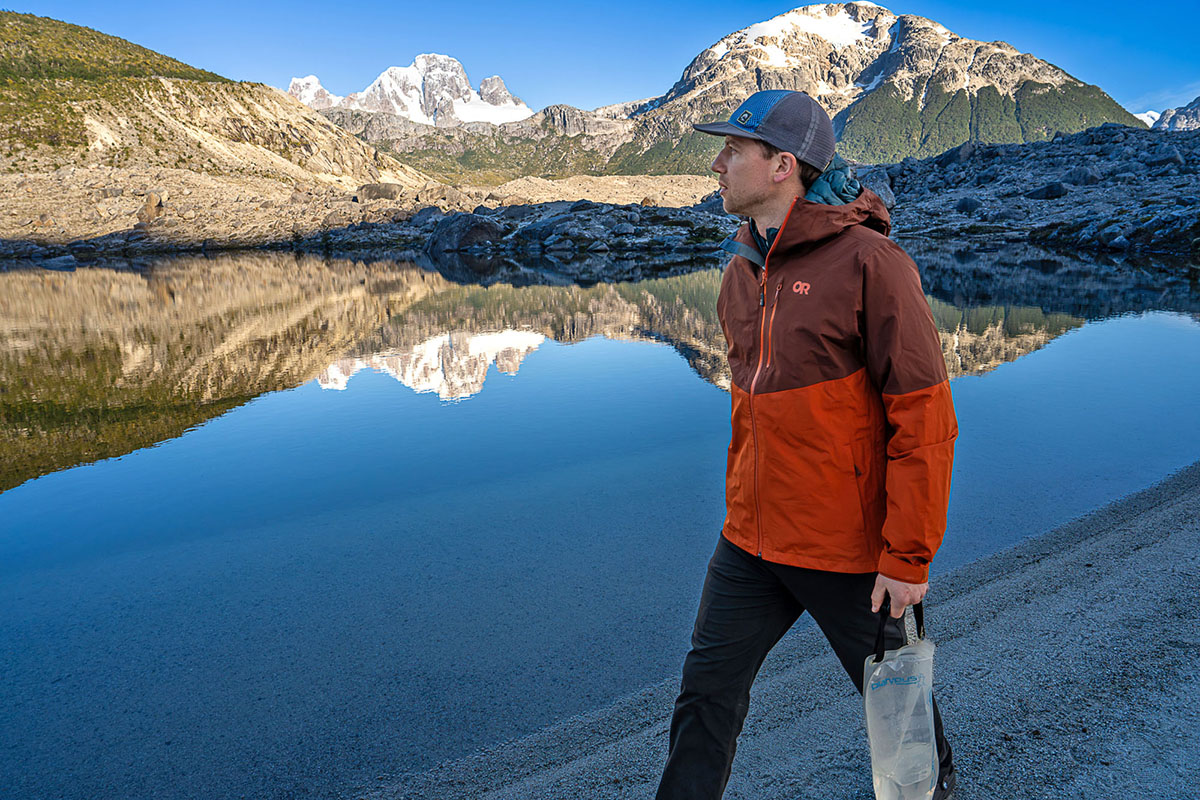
905,362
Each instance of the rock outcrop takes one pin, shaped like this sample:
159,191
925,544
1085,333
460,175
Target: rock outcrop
1185,118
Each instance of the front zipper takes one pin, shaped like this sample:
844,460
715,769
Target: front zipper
754,381
758,369
762,322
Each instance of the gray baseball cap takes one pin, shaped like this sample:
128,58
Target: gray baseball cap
791,121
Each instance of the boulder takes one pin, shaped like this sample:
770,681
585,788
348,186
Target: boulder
540,230
624,229
711,204
957,155
461,231
153,208
560,244
427,216
1164,156
516,212
380,191
443,195
1050,191
1082,176
336,219
968,205
879,182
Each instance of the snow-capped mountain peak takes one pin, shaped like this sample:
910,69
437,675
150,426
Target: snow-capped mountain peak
1149,117
433,90
1184,118
310,92
828,22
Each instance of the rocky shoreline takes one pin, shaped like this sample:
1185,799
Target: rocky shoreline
1111,189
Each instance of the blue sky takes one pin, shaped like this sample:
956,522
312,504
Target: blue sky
591,54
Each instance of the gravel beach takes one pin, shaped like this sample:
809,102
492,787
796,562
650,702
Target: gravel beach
1066,668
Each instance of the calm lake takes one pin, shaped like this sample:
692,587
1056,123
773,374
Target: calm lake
275,525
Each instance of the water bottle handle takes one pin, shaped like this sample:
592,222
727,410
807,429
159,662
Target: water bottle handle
884,613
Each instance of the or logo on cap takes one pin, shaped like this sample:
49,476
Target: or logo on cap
744,117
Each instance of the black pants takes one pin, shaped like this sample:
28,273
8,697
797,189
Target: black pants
746,607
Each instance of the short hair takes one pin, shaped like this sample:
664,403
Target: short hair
807,172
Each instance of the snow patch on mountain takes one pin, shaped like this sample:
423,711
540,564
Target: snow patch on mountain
829,22
1149,117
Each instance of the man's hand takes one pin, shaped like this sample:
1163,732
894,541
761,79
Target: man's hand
902,594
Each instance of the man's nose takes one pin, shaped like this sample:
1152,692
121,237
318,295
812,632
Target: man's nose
718,164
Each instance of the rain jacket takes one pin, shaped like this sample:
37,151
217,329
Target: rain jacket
843,423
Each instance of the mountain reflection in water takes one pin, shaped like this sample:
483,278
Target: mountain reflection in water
453,365
102,361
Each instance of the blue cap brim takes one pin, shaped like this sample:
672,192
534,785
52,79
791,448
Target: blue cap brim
727,128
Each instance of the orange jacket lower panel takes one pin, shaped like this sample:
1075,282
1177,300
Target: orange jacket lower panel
812,473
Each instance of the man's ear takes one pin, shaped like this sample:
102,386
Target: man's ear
787,167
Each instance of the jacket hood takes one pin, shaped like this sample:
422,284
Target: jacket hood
808,222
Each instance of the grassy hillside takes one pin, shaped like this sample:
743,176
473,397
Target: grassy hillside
883,127
40,48
47,67
691,155
72,96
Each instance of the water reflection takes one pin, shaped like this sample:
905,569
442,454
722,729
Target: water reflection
98,362
103,361
406,580
452,365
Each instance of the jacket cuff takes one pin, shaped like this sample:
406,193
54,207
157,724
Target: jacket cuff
897,569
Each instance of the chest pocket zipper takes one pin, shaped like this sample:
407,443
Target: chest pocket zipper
771,324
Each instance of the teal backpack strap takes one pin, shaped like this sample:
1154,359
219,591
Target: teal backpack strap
744,250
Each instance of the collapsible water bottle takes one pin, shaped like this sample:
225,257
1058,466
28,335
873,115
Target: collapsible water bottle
898,699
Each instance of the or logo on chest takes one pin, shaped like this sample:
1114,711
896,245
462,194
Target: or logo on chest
801,287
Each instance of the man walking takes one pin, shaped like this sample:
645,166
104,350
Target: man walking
839,464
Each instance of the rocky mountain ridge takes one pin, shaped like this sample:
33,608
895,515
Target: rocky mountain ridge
434,90
1184,118
895,85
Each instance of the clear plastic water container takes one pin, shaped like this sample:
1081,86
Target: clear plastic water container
898,701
